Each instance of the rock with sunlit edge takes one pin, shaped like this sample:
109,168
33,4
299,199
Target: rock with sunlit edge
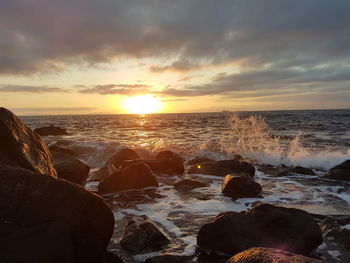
240,186
264,225
270,255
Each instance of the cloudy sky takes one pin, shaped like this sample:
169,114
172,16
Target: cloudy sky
87,56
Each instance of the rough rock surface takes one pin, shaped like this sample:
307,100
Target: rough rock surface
143,236
122,155
21,147
50,130
340,172
240,186
264,225
188,184
70,169
269,255
43,219
135,176
223,168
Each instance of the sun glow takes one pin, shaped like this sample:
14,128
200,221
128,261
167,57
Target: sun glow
142,104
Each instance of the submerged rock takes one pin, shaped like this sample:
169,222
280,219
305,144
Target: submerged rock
223,168
43,219
264,225
50,130
297,170
135,176
21,147
170,259
240,186
70,169
143,236
188,184
269,255
122,155
340,172
163,166
59,149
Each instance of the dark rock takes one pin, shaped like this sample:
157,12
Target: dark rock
269,255
296,169
199,160
111,258
122,155
240,186
44,219
58,149
264,225
143,236
340,172
336,232
168,155
135,176
50,130
223,168
102,173
163,166
170,259
21,147
70,169
188,184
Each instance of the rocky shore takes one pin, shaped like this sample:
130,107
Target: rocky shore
55,208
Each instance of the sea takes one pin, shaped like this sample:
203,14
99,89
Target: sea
316,139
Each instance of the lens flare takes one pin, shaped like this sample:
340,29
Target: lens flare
142,104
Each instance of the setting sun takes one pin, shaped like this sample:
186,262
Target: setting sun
142,104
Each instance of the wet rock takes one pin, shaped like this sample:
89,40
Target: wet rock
264,225
297,170
161,166
111,258
340,172
170,259
199,160
70,169
21,147
102,173
168,155
240,186
269,255
143,236
223,168
135,176
188,184
122,155
44,219
59,149
50,130
336,232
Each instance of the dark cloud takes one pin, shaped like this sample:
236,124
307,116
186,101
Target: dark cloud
117,89
30,89
40,36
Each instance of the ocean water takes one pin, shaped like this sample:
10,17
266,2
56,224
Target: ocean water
316,139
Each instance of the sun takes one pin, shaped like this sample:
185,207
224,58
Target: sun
142,104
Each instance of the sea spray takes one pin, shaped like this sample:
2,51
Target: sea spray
252,138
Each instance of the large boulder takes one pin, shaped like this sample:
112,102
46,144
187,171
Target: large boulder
102,173
270,255
173,160
70,169
21,147
143,236
168,155
160,166
135,176
240,186
223,168
340,172
264,225
122,155
43,219
50,130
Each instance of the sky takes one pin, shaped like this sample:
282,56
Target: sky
88,56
